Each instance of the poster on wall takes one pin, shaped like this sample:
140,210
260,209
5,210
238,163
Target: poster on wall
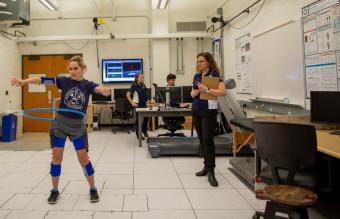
336,27
321,32
318,6
336,19
325,39
338,64
321,73
243,64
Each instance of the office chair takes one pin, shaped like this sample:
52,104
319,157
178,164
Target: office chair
173,124
288,149
122,111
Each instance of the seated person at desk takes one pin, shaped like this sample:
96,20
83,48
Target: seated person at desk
173,123
137,96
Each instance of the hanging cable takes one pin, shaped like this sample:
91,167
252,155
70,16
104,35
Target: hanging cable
224,23
257,13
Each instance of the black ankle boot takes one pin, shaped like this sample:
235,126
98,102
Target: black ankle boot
212,180
203,172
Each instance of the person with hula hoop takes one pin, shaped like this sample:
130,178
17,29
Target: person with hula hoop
70,121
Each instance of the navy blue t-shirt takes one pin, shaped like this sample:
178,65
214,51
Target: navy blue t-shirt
74,94
197,103
138,93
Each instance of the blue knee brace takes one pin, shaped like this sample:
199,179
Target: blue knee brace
79,143
88,169
55,169
58,142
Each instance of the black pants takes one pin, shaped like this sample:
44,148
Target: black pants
205,125
145,124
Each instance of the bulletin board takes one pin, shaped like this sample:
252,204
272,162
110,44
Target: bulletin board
321,36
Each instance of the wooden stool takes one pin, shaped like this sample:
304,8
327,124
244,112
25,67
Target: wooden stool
288,199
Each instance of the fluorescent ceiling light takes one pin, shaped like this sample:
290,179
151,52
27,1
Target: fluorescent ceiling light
162,4
50,4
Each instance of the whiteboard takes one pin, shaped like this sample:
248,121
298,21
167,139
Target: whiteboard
277,64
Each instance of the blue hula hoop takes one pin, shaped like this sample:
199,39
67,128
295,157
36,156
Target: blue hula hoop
49,109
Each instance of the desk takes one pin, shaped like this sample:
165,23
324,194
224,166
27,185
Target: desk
328,143
146,112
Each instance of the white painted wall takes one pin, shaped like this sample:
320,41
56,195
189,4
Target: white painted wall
160,22
10,62
107,48
188,11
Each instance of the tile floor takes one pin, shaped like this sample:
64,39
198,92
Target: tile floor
130,182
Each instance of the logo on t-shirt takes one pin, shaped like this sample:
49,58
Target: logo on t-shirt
74,98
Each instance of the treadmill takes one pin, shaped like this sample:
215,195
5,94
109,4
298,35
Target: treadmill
186,145
158,146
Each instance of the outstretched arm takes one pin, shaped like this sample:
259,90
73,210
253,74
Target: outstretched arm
22,82
103,90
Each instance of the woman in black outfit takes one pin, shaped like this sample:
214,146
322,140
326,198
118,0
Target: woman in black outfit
204,112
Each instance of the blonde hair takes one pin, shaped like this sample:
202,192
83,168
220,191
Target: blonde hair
79,60
211,61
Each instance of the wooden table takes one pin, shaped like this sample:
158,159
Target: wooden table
328,143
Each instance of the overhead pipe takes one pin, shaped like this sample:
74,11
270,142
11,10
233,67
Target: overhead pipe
114,36
177,55
182,56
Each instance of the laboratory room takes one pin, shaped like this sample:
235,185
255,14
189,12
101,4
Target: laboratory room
169,109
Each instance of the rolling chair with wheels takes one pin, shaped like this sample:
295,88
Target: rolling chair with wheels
173,124
122,111
286,148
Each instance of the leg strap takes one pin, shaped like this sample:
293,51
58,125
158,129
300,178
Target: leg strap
88,169
55,169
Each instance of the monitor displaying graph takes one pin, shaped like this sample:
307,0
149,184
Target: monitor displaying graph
121,70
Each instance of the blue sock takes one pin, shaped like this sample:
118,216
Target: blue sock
54,190
92,189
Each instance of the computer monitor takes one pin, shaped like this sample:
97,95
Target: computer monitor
148,94
175,95
99,98
120,93
186,94
325,107
121,70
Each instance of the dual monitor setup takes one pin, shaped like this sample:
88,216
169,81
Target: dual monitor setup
177,95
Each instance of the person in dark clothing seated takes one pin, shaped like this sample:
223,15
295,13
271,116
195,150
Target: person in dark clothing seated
173,123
